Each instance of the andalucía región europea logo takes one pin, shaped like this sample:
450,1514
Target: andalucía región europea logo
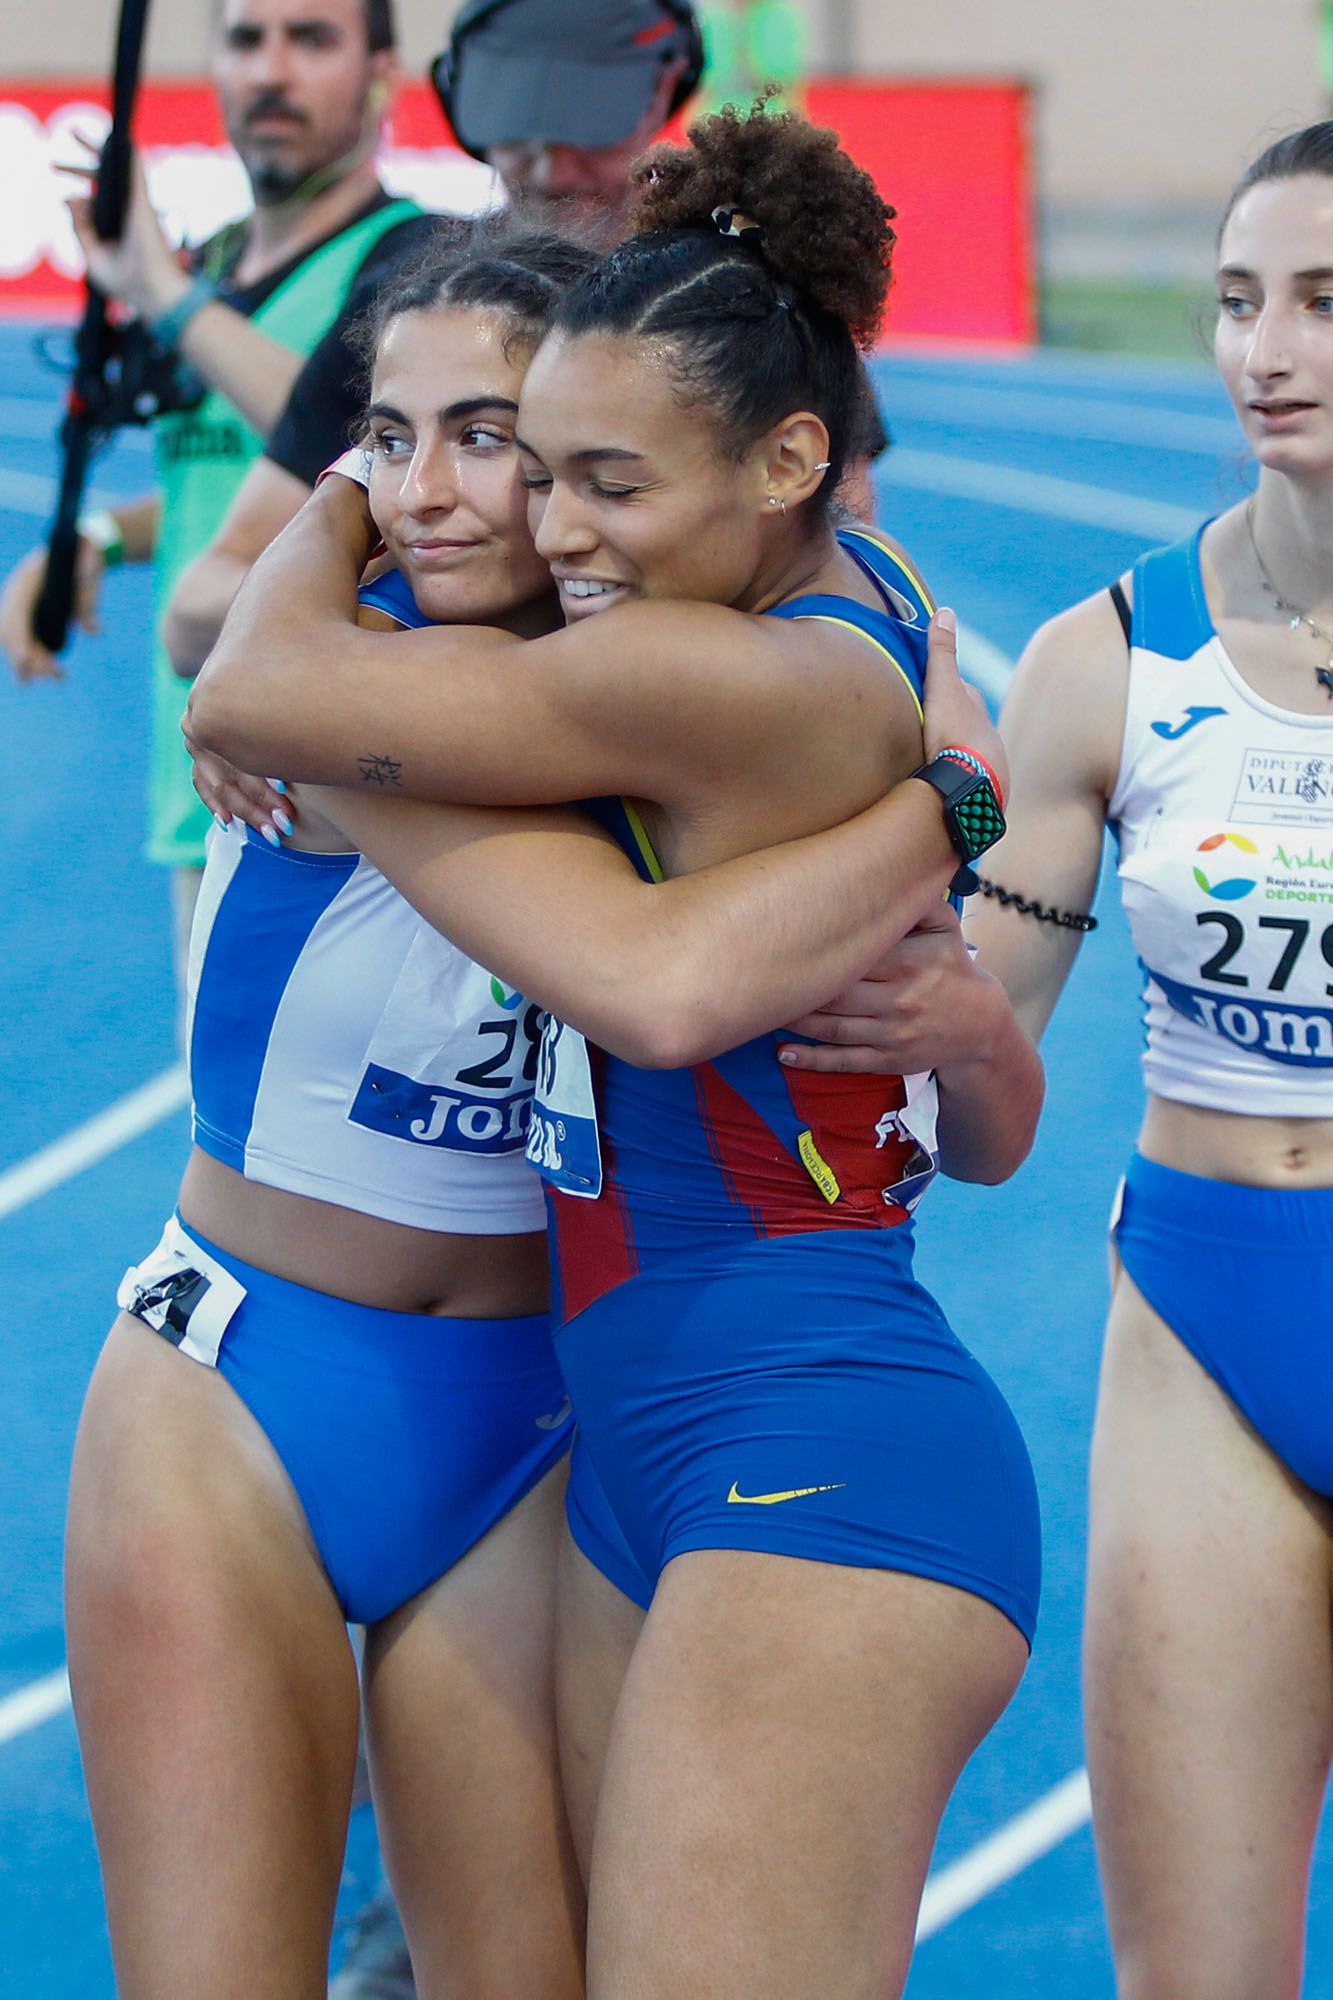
1227,888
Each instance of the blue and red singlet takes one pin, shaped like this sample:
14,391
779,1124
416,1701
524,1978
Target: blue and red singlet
752,1362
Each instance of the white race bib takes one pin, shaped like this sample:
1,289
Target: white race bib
183,1294
453,1058
563,1143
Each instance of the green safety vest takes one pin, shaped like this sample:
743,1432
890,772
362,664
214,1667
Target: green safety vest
202,456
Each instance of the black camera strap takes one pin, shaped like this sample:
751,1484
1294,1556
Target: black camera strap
89,400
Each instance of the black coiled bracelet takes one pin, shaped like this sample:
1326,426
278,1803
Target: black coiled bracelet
1070,920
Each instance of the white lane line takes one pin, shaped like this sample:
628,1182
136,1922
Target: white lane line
36,1703
34,493
984,665
994,1861
128,1118
1074,416
1037,493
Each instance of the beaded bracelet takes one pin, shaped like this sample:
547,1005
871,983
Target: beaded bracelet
972,760
1070,920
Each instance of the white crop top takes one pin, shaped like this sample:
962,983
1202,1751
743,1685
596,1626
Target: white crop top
340,1048
1223,815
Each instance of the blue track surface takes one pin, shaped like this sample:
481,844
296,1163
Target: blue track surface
85,988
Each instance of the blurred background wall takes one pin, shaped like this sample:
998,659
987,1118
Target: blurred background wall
1145,109
1143,112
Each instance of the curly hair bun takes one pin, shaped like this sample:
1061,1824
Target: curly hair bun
826,228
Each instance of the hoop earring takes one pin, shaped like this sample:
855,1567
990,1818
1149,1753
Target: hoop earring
773,501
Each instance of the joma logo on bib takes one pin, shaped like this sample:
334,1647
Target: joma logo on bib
429,1115
1302,1036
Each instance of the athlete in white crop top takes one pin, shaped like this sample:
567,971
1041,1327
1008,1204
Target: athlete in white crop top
379,1433
1203,737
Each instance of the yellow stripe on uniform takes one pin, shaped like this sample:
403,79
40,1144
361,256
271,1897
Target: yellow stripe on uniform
642,842
898,560
826,618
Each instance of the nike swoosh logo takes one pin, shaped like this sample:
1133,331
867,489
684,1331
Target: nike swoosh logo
556,1417
771,1499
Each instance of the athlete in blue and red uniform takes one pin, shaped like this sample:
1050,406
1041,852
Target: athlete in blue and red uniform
824,1497
773,1393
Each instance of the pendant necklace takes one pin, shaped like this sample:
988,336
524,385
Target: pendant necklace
1295,616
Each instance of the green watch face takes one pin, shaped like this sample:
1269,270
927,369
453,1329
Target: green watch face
979,819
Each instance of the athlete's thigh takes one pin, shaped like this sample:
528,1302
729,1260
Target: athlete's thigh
461,1720
787,1737
1209,1676
213,1686
596,1630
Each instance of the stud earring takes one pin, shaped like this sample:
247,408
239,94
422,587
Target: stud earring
772,499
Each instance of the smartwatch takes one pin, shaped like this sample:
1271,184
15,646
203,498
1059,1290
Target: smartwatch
973,817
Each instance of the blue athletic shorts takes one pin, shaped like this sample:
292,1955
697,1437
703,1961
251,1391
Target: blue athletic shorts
406,1435
1243,1276
805,1396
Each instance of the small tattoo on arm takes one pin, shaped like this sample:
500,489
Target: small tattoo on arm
380,770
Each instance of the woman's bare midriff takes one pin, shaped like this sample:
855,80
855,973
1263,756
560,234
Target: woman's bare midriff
1227,1146
362,1257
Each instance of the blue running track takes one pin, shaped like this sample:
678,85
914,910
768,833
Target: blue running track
1019,486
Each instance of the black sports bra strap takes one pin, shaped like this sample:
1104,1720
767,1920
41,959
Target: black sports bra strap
1122,610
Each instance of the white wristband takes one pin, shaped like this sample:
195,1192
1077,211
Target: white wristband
353,465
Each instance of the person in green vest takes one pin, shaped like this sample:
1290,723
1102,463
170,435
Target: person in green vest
303,86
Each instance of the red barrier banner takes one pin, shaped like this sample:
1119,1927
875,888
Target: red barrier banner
952,157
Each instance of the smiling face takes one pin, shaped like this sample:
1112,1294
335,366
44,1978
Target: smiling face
1274,340
630,495
445,485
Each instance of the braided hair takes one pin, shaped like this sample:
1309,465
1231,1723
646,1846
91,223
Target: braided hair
759,265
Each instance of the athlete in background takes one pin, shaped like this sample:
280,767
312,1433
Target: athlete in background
303,87
1190,709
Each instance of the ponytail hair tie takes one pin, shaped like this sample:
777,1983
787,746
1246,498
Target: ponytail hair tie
735,222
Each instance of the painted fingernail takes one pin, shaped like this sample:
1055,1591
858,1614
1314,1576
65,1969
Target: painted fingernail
220,821
270,834
277,784
281,821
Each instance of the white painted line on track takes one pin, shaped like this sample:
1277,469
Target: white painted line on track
34,493
994,1861
36,1703
1037,493
1090,420
128,1118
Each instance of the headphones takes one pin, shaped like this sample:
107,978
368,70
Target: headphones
444,70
